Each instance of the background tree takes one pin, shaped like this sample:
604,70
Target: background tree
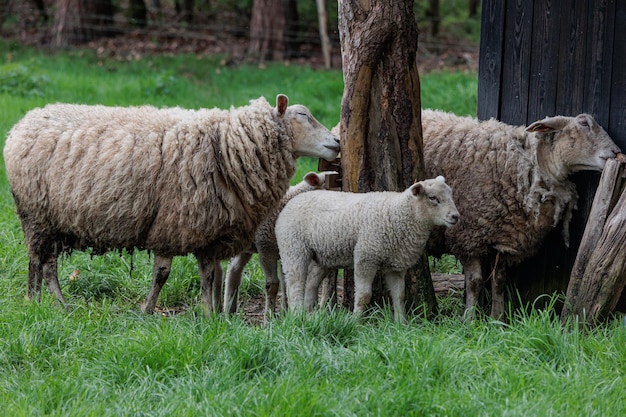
137,13
381,131
77,21
267,29
184,9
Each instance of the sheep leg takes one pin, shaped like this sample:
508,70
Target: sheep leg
49,269
269,265
35,278
295,281
233,281
497,292
329,293
363,279
395,284
210,283
160,273
473,286
314,278
283,302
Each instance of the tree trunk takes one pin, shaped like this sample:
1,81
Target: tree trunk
434,17
185,10
473,8
138,13
292,29
323,26
267,27
381,132
77,21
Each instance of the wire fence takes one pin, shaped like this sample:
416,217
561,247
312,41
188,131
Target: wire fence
211,30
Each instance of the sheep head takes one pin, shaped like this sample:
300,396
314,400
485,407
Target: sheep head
571,144
436,197
310,137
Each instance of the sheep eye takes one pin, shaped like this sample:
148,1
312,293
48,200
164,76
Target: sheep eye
434,199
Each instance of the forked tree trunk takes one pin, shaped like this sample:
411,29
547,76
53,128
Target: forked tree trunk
381,131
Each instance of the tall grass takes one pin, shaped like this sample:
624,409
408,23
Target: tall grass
104,358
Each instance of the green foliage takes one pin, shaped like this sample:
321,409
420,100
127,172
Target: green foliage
21,80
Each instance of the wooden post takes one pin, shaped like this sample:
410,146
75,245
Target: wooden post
599,273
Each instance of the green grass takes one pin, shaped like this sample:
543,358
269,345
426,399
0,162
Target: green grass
104,358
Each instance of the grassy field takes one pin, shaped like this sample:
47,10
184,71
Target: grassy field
105,358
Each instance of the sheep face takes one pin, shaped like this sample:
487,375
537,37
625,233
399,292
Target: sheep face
437,197
580,143
310,137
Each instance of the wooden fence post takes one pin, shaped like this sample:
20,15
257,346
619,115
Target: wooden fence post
599,273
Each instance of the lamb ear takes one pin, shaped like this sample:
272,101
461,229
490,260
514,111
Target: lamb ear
417,188
313,179
547,125
281,104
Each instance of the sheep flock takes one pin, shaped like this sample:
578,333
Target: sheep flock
215,183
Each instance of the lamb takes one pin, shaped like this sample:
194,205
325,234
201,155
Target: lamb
267,248
172,181
511,187
378,231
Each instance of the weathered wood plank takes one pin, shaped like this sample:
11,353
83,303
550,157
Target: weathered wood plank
542,84
605,199
516,61
605,275
617,116
490,59
599,60
572,54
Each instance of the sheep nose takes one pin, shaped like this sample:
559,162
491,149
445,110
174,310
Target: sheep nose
454,217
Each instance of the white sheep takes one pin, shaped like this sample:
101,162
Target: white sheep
172,181
267,248
377,231
510,185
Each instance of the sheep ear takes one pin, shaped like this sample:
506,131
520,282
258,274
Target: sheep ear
547,125
313,179
417,189
281,103
584,120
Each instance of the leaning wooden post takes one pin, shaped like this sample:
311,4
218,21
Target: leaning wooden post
599,272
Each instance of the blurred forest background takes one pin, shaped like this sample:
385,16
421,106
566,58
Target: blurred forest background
240,30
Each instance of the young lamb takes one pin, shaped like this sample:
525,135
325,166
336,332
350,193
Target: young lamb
377,231
511,187
267,248
172,181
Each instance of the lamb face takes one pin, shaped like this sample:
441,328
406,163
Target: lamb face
573,143
439,203
310,137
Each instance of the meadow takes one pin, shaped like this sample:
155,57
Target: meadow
105,358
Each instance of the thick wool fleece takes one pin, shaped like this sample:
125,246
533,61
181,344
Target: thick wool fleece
170,180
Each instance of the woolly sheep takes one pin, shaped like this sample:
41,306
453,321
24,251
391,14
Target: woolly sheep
267,248
378,231
510,185
172,181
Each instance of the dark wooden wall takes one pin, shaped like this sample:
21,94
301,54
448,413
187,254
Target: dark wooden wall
542,58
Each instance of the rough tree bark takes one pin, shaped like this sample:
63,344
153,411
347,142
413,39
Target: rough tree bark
599,272
267,28
77,21
381,131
